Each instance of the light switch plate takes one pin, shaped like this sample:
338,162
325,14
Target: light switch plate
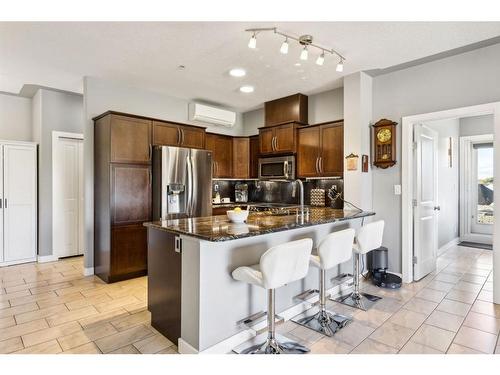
397,189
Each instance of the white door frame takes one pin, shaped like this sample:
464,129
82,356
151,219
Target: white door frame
55,137
407,184
465,180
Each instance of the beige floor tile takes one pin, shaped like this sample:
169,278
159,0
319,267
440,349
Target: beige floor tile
482,307
440,285
129,349
14,295
89,348
11,311
486,296
447,278
11,345
408,318
412,347
437,338
39,314
136,307
421,306
110,343
387,304
475,339
307,335
96,332
488,286
88,301
7,322
31,298
330,345
123,323
354,333
50,287
154,344
459,349
479,271
75,289
73,315
4,305
51,333
57,300
102,318
392,334
467,287
170,350
431,295
372,318
116,304
73,340
482,322
25,286
370,346
49,347
462,296
22,329
475,279
454,307
444,320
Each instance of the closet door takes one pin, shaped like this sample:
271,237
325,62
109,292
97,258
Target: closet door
19,165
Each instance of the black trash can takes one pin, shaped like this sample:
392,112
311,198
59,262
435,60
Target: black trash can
377,261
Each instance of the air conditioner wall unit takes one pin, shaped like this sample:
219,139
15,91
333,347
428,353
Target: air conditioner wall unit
212,115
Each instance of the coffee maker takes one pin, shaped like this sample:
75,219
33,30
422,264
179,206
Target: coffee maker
241,192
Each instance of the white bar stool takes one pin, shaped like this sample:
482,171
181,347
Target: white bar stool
334,249
368,238
278,266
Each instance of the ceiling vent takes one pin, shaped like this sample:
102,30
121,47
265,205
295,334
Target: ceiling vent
212,115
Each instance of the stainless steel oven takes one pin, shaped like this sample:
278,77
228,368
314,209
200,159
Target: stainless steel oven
280,167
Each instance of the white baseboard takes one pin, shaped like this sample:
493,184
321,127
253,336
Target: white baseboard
228,344
447,245
88,271
47,258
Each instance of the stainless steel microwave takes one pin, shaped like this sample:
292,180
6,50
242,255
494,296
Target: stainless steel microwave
280,167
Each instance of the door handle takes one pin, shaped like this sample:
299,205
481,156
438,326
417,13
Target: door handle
272,143
183,137
437,208
321,164
317,160
275,143
178,136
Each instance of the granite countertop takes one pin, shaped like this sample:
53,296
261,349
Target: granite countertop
219,228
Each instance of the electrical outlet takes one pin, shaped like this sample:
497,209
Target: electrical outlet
397,189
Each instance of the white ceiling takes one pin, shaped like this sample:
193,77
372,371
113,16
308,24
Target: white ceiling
146,55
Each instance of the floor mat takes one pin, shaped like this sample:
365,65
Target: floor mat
476,245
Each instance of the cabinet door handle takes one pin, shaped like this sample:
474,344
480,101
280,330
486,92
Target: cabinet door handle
272,143
182,132
317,161
321,164
276,143
178,136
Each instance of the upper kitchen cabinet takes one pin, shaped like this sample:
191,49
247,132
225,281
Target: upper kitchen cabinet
320,151
293,108
130,139
281,139
241,157
172,134
222,154
254,156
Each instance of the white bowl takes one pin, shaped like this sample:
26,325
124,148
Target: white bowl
237,216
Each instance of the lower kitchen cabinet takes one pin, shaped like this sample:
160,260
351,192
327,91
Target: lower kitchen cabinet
128,251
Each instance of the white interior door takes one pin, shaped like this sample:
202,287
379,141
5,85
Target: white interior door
67,197
1,204
425,219
19,165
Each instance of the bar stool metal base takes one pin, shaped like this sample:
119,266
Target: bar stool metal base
362,301
322,321
261,344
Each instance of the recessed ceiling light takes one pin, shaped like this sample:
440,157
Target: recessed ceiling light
297,64
237,72
247,89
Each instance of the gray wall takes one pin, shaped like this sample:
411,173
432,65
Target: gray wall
468,79
476,125
15,118
325,106
448,197
52,111
101,96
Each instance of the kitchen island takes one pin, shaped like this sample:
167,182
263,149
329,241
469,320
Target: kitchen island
191,294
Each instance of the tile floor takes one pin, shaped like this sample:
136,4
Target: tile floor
52,308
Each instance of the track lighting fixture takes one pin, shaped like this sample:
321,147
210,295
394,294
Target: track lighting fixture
304,54
252,43
284,47
304,40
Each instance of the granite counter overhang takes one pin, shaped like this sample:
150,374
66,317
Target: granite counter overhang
219,228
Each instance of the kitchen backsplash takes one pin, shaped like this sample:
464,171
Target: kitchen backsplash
277,191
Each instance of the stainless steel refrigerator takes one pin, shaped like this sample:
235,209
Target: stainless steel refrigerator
182,183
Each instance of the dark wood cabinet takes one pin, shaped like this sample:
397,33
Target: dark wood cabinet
130,140
293,108
280,139
320,150
222,154
172,134
122,195
241,157
254,157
